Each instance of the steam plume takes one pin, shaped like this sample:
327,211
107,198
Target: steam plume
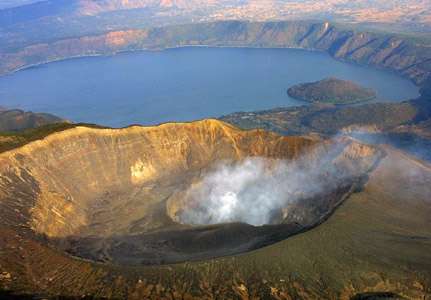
256,189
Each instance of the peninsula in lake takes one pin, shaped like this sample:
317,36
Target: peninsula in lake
333,91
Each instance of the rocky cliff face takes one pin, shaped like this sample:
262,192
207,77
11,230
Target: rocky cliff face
111,195
402,55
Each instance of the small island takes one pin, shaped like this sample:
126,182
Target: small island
331,91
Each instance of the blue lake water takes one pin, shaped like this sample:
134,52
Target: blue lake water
181,84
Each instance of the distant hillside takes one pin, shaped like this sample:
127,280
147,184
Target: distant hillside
62,15
17,120
331,90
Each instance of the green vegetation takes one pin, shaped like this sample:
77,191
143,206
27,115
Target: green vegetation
10,140
331,90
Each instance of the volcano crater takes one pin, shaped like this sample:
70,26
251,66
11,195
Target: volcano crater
175,192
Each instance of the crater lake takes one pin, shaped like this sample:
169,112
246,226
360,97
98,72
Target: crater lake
182,84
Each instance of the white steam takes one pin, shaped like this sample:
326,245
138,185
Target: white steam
256,190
